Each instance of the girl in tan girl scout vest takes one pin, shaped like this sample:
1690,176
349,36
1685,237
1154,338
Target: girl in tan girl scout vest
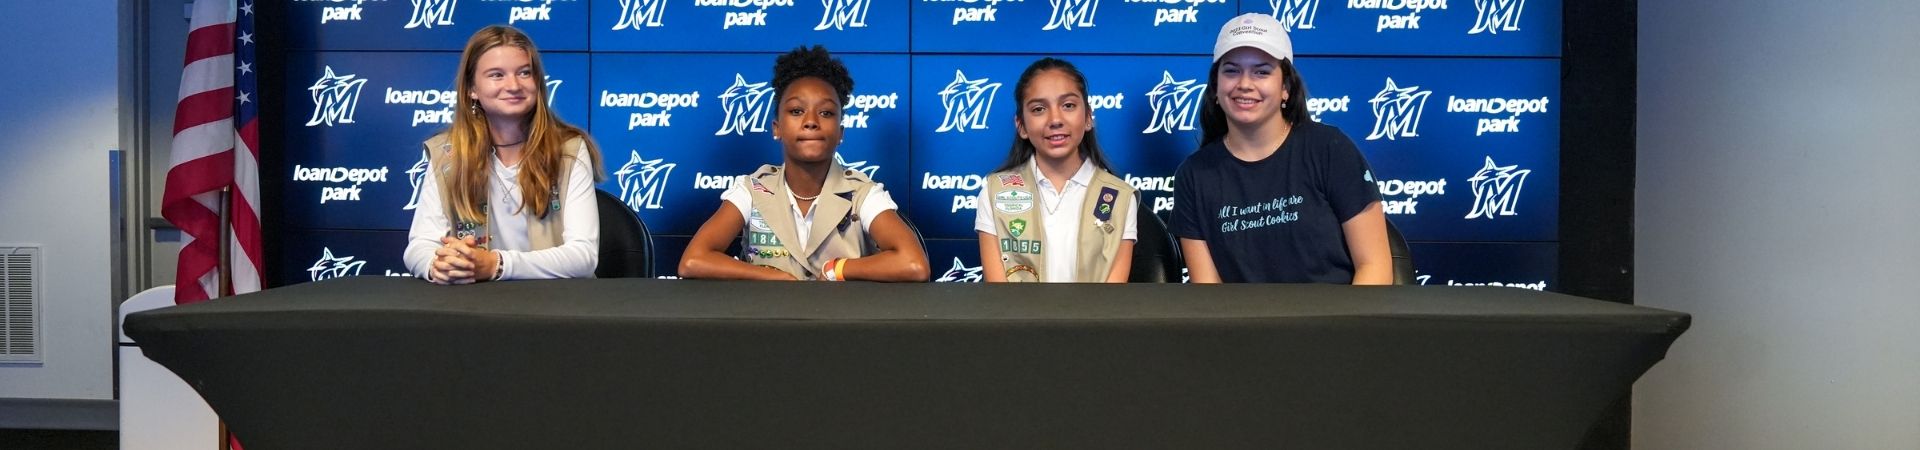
1052,212
809,218
510,193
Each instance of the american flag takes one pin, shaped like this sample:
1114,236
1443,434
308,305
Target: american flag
216,144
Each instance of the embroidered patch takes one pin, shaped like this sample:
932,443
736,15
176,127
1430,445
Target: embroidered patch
757,223
1012,180
1017,227
1104,210
760,187
1013,202
1011,245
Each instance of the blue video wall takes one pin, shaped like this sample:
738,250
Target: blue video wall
1455,104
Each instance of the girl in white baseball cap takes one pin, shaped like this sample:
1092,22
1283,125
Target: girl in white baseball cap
1272,196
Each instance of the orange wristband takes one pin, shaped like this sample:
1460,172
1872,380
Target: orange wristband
840,268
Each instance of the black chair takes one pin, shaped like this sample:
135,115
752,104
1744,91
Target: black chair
1402,257
1156,254
626,247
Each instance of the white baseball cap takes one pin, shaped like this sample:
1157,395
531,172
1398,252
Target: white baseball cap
1255,30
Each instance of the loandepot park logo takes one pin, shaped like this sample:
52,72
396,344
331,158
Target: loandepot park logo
1175,14
1318,106
415,175
1512,108
959,273
1397,14
1153,184
1175,107
432,13
340,13
967,185
336,180
1537,285
329,267
864,104
1295,14
976,14
968,103
637,14
658,106
430,106
1496,16
1496,190
756,17
542,13
1396,111
1403,196
643,182
334,98
744,107
840,14
1068,14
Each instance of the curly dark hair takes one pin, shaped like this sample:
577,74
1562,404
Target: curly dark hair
814,62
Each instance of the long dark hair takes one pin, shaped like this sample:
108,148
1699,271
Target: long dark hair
1213,119
1023,150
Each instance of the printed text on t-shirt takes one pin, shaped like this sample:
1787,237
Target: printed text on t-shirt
1241,218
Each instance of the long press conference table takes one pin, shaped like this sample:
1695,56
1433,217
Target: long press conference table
388,363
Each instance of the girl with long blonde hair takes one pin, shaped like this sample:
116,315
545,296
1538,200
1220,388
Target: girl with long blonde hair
510,191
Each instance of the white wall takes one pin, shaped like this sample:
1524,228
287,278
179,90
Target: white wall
1779,144
61,117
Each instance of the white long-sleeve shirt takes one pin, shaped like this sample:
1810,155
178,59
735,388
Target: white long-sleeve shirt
575,257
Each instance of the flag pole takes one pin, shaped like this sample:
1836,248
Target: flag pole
225,266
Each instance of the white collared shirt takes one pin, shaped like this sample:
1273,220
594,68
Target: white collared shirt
1060,216
877,201
575,257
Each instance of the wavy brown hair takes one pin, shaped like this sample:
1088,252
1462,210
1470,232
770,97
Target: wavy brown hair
468,167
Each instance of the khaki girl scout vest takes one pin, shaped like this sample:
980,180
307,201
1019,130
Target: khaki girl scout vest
836,222
542,234
1016,213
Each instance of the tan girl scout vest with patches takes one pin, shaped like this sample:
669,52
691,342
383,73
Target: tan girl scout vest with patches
836,232
1016,211
542,234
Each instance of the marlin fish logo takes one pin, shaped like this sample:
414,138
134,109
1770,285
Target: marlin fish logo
968,103
840,14
1396,111
1497,16
553,89
960,273
417,174
637,14
430,13
334,98
1174,105
643,182
329,267
1072,13
857,166
744,107
1295,14
1496,190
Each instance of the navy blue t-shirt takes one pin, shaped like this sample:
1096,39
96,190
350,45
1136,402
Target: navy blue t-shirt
1276,220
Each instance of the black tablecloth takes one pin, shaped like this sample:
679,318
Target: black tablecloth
370,362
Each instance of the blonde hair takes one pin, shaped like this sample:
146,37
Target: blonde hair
467,167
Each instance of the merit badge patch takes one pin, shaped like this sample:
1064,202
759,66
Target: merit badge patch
1104,210
1017,227
1013,201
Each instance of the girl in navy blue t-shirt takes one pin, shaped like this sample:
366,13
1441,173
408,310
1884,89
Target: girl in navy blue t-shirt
1272,196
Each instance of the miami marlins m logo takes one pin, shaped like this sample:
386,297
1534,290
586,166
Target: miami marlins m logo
857,166
334,98
329,267
643,182
1174,105
1497,16
840,14
637,14
1496,190
968,103
1396,111
430,13
744,107
1072,13
959,273
416,174
1295,14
